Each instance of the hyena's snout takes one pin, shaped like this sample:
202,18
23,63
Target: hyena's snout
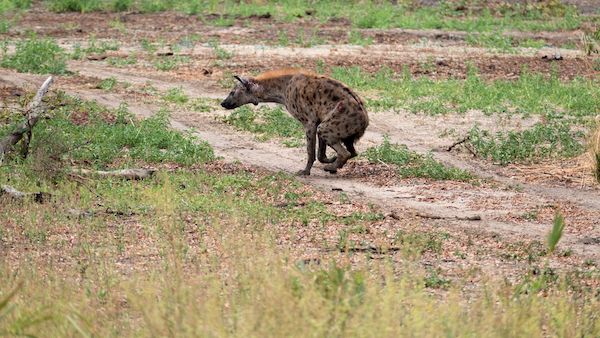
227,104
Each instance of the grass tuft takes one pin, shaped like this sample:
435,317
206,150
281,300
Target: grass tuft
268,123
36,55
594,151
558,225
412,164
542,141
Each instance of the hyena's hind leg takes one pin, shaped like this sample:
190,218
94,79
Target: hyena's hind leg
327,131
349,143
322,155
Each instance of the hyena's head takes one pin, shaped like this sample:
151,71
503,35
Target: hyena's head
243,93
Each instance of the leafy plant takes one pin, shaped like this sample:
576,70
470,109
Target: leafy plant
412,164
539,142
107,84
266,122
176,95
36,55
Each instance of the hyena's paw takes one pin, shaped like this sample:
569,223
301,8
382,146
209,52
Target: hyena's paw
331,168
303,173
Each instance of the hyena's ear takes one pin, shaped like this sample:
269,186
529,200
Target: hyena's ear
244,81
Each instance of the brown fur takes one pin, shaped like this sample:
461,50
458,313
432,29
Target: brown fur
328,109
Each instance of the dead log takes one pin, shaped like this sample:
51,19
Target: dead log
39,197
128,174
34,112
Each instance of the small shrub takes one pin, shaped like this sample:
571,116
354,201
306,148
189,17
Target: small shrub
412,164
266,122
82,6
36,55
107,84
176,95
100,137
539,142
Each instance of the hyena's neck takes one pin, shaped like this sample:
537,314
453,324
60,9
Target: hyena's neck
273,89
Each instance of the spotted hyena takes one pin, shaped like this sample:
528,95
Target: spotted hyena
328,109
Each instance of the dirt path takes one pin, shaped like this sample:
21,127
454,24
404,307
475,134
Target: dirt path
497,202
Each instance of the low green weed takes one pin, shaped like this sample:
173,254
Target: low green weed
97,136
542,141
176,95
122,62
36,55
266,122
530,94
220,52
107,84
411,164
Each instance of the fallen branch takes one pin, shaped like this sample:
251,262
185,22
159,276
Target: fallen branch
458,143
461,218
34,111
128,174
39,197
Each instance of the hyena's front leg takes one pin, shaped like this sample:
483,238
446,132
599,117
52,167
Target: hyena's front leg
311,135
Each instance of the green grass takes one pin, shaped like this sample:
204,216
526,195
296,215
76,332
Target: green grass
89,134
268,123
11,6
411,164
36,55
168,63
176,95
220,52
530,94
542,141
545,16
107,84
122,62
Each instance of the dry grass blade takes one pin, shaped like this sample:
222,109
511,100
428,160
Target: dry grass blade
594,152
556,233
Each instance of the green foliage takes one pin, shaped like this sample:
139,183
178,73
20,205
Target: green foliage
167,63
107,84
355,37
220,52
122,62
411,164
99,137
417,243
558,225
530,94
36,55
267,123
542,141
436,281
362,14
82,6
176,95
10,6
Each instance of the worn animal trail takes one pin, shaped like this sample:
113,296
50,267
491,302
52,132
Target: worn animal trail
328,110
